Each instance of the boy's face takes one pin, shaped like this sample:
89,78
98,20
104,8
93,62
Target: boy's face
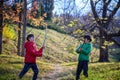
31,39
86,40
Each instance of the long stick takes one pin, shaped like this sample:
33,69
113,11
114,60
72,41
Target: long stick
44,42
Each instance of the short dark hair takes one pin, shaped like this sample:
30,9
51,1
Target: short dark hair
29,36
88,37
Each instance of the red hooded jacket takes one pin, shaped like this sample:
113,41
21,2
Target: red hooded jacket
31,52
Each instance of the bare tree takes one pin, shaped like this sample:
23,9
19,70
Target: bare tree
103,11
65,8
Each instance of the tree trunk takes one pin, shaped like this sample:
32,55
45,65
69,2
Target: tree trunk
1,24
103,49
24,28
19,35
104,22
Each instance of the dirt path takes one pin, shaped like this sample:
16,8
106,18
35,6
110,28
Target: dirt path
54,74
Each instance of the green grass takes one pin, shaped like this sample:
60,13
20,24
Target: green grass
11,65
60,49
97,71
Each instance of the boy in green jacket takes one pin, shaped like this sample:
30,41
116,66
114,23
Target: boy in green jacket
84,51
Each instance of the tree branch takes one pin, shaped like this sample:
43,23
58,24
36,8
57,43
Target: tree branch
113,12
94,12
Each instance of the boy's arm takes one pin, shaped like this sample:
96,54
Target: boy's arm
34,51
78,49
40,51
88,50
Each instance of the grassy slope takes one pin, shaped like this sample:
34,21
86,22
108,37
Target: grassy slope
58,46
57,51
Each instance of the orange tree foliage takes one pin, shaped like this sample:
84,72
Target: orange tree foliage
34,15
11,14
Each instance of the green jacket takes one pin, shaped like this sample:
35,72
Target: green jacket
86,50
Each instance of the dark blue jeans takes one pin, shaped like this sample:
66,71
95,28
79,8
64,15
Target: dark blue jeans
27,66
82,65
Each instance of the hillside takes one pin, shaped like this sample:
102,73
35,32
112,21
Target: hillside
58,62
59,47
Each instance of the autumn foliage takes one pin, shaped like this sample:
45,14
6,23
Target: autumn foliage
11,14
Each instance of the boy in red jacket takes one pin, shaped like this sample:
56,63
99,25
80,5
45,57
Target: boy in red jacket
30,57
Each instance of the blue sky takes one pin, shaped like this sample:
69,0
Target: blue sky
59,5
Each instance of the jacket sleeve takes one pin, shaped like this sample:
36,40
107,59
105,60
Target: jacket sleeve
40,51
78,49
34,51
87,50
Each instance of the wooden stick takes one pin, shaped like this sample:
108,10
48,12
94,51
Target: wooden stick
44,42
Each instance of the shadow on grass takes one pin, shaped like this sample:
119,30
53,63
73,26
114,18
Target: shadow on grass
6,56
16,62
4,71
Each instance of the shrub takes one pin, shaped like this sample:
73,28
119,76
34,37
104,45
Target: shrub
9,32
